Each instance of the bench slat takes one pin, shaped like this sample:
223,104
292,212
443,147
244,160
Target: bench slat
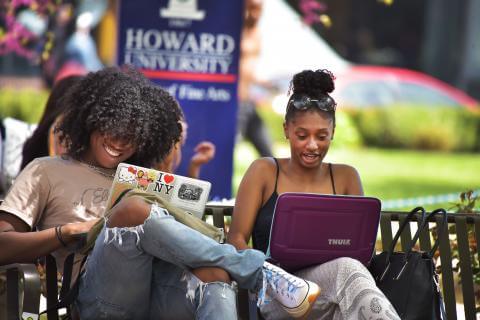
425,244
218,219
406,236
465,267
12,293
477,233
476,221
386,230
447,274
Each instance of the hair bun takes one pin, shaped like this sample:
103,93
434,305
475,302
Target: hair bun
312,83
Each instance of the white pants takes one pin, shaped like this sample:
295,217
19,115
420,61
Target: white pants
348,291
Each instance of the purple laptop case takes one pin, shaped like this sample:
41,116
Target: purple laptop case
310,229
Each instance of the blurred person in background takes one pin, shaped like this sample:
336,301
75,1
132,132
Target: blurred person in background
81,47
249,123
71,45
44,141
60,27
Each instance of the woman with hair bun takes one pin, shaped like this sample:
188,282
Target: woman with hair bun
348,291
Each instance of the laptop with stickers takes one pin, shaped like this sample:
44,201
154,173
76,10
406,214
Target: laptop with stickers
185,193
311,229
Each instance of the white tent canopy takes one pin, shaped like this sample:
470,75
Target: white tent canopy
289,46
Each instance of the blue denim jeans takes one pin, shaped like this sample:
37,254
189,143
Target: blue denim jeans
143,272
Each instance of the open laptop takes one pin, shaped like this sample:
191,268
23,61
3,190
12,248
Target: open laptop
310,229
188,194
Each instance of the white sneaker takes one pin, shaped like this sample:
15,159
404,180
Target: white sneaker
296,295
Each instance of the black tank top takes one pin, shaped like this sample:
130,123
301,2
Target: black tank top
263,222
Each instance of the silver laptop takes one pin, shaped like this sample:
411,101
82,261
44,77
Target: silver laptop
185,193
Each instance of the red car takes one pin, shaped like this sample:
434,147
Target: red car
366,86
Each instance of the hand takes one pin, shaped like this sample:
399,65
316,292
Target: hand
71,232
204,152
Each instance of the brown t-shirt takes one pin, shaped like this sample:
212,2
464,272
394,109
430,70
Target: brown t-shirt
54,191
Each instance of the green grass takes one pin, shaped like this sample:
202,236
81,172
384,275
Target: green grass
392,174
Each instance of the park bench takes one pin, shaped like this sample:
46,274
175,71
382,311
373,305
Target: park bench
24,278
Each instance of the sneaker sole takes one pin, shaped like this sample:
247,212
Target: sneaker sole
304,309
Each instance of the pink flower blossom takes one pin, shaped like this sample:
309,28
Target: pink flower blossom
15,38
311,10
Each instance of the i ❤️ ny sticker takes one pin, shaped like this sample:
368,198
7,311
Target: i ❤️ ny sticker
168,178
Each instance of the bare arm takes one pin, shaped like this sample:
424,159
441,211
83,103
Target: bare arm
20,245
350,180
249,200
355,186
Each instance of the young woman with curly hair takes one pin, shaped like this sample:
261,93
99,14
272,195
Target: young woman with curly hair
145,264
348,289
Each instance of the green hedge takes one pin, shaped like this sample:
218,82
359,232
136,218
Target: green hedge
346,132
418,127
409,127
26,104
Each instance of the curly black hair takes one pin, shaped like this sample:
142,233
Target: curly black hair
314,84
121,103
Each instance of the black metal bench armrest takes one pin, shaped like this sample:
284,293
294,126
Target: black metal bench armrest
23,280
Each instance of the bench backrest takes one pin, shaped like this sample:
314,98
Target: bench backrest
465,228
468,248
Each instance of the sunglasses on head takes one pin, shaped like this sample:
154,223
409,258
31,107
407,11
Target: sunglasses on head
303,102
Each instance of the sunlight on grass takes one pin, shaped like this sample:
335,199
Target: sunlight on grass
244,155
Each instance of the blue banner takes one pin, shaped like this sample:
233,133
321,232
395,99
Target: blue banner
191,48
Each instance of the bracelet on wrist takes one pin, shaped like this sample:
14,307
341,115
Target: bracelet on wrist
58,233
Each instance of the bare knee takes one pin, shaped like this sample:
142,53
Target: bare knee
129,212
350,263
212,274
